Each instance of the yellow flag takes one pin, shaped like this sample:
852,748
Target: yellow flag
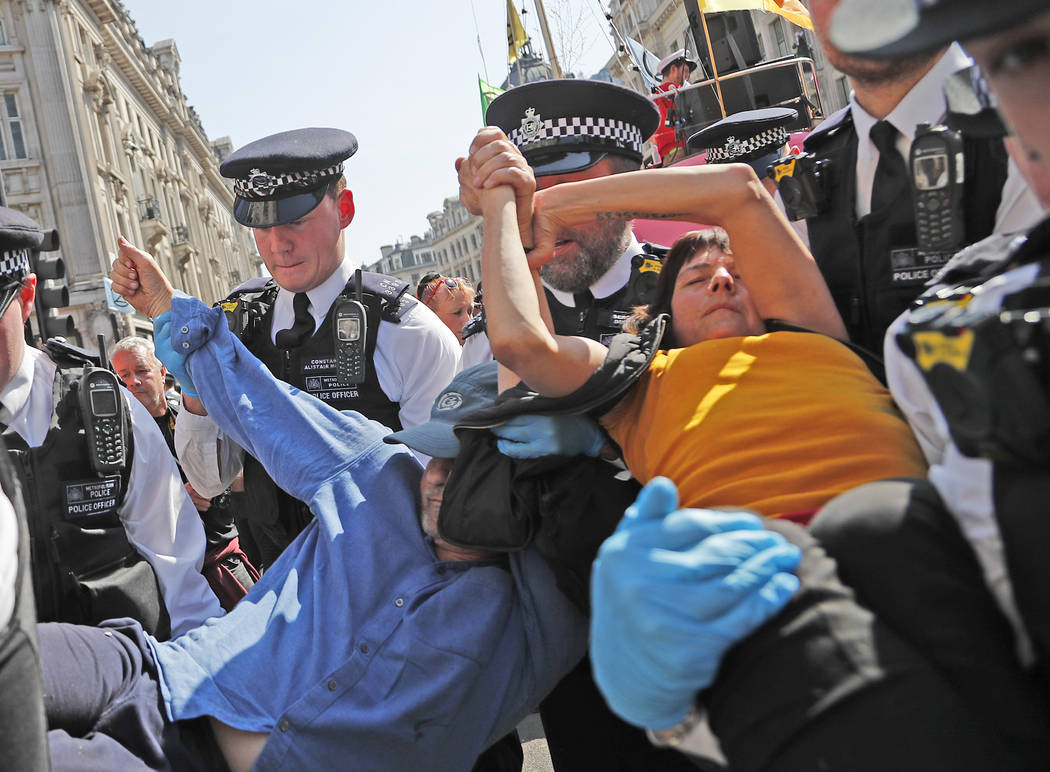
792,10
516,36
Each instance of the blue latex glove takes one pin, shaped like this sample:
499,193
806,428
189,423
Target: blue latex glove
672,590
535,436
169,357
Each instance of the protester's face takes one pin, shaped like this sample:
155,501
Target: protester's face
12,331
710,301
865,71
453,307
432,490
583,254
302,254
144,377
1017,65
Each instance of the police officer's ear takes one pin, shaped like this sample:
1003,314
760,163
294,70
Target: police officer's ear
27,295
346,207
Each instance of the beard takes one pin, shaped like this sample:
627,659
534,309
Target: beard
879,72
597,248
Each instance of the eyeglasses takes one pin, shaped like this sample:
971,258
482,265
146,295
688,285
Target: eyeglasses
452,284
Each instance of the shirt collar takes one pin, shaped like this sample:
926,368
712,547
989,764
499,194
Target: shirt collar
915,107
323,295
16,393
611,281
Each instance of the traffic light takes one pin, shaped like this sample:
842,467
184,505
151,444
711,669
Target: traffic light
51,291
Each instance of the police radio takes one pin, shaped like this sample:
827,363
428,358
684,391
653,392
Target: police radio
350,329
938,173
802,184
103,417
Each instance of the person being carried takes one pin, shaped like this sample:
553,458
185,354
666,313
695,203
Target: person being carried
763,432
367,645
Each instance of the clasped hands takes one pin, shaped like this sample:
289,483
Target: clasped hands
493,160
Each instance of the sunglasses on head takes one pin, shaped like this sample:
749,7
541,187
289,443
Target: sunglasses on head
451,283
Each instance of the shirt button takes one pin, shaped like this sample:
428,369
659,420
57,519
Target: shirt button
184,330
332,685
364,648
283,726
185,344
399,602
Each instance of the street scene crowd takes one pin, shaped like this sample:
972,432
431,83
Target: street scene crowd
770,497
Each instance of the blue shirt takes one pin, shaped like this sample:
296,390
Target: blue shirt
357,649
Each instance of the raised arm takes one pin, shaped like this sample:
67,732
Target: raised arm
520,338
775,265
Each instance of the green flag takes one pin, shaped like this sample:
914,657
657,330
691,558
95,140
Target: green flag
488,93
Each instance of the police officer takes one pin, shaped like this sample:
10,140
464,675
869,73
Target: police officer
754,137
864,236
227,569
568,130
543,134
110,538
290,190
968,366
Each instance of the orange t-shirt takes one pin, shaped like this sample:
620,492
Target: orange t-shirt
779,423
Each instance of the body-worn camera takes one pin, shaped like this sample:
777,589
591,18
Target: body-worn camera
801,182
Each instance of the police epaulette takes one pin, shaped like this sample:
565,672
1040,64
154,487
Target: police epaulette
67,355
389,290
829,127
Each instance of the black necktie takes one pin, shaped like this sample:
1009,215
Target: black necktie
891,176
302,327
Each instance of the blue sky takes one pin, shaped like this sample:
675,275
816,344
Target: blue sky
400,74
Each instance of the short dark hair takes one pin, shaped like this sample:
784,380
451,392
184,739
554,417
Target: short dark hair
423,282
687,245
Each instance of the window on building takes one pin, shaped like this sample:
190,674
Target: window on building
844,87
3,34
13,143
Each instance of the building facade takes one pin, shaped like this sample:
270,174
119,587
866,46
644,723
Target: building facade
451,247
98,140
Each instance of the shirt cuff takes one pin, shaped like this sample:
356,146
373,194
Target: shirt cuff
192,323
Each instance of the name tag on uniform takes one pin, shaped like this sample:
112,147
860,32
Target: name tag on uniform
910,266
320,379
85,498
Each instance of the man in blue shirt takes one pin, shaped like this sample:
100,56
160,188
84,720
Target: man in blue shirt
366,645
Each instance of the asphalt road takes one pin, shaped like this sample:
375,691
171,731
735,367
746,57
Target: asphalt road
534,745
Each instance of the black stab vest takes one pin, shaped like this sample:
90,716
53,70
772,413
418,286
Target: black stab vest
872,266
604,317
84,568
312,368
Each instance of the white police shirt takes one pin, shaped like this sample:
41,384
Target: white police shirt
414,361
158,516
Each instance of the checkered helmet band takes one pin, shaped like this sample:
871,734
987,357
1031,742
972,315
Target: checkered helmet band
547,132
743,148
14,265
259,184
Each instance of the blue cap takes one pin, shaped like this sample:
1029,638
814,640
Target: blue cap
890,28
753,137
282,177
471,389
563,126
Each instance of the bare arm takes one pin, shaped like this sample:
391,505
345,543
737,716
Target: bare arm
776,266
520,338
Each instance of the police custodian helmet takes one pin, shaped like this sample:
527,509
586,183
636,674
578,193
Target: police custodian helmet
282,177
